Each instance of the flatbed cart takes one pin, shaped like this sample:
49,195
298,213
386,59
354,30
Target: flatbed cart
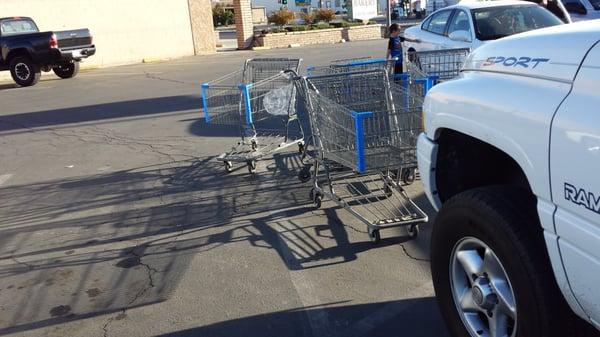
260,103
363,132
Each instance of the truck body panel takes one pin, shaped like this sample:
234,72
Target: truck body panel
534,97
575,180
489,112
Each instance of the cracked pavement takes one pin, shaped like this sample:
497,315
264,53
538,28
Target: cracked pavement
116,220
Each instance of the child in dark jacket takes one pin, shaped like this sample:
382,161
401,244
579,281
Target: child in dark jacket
395,47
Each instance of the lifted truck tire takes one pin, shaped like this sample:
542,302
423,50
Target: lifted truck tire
493,234
67,70
24,71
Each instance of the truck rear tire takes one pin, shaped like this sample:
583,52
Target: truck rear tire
491,270
67,70
24,71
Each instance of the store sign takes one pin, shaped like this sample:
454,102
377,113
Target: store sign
302,3
362,9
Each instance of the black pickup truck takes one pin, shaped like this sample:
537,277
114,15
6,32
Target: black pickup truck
26,51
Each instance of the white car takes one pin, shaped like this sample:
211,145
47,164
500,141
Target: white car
580,10
472,24
510,157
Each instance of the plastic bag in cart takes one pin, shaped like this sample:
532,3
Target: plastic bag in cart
279,100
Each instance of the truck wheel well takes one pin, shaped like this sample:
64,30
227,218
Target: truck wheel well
17,52
464,162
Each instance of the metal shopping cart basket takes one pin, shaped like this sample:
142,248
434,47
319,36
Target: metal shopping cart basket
363,132
260,103
352,65
442,64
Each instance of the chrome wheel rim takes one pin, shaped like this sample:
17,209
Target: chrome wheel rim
482,292
22,71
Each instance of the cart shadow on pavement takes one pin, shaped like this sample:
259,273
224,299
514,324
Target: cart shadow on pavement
90,246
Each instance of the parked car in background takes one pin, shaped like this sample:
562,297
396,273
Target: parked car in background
582,9
26,51
510,158
472,24
397,13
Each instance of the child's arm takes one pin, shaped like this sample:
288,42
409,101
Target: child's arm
412,40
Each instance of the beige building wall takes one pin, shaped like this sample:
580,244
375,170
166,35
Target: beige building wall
259,15
125,31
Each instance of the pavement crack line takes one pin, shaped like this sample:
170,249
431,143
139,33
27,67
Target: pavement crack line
152,76
105,327
413,257
150,272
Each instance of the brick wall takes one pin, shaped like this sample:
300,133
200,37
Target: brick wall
334,35
203,32
243,23
359,33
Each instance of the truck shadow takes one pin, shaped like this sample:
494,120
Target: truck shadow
418,317
7,86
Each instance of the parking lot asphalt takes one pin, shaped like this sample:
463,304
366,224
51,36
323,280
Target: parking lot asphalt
116,220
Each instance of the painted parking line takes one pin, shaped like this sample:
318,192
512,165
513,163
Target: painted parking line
4,178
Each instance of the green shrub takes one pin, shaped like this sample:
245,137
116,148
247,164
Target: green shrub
308,18
324,14
345,24
276,30
337,24
297,28
221,16
320,25
281,17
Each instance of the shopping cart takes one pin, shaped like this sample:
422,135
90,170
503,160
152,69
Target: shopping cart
352,65
259,101
364,132
443,64
424,70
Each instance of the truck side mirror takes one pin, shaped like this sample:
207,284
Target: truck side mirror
575,8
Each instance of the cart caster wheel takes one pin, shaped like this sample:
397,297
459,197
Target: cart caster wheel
251,166
318,200
304,175
374,235
388,190
228,167
413,232
254,146
303,156
408,176
301,148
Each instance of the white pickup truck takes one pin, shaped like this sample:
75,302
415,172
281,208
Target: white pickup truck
510,157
